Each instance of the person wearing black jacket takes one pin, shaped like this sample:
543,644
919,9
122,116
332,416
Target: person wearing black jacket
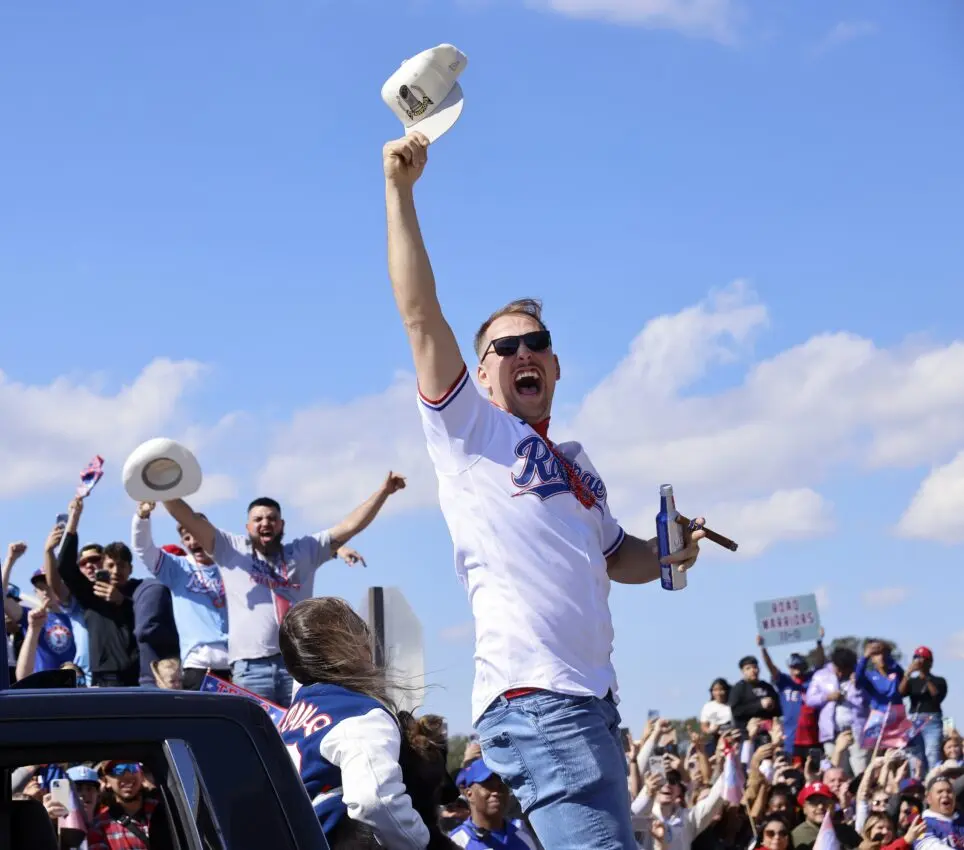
154,627
108,603
753,697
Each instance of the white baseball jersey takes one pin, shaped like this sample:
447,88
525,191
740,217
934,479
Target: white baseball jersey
531,556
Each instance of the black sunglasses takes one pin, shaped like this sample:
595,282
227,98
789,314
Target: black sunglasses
776,833
506,346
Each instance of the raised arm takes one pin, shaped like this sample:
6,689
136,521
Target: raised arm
438,362
15,552
56,584
774,670
360,518
198,526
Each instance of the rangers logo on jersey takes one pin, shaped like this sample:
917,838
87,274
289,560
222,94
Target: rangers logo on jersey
542,473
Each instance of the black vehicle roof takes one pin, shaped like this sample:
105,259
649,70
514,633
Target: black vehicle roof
73,703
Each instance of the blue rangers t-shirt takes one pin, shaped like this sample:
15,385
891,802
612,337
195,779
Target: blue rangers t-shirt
791,698
346,747
56,645
511,837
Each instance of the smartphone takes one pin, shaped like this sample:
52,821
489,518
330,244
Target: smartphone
60,791
653,714
657,766
627,739
62,519
102,576
815,755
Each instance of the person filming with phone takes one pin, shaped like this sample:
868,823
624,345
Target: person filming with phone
107,598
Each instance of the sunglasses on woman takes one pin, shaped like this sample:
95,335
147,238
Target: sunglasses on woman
775,833
506,346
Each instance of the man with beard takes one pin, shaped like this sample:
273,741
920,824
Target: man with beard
197,593
125,823
264,577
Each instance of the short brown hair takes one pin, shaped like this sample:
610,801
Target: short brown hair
531,307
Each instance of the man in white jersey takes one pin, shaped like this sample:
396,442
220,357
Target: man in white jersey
535,546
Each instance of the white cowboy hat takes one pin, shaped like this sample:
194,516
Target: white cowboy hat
161,470
424,92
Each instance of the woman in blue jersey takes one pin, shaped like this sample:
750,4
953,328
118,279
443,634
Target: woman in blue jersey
345,737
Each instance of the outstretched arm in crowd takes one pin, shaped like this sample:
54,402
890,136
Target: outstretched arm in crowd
360,518
10,606
774,670
198,526
51,573
438,362
27,660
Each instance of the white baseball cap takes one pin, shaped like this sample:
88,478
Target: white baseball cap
424,92
161,470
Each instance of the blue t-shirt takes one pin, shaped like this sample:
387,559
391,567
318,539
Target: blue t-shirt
791,697
56,645
510,837
948,830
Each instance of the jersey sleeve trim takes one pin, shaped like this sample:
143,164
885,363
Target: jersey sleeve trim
439,404
616,543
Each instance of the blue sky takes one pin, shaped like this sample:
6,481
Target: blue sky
743,217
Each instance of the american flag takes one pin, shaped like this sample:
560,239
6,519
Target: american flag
893,727
89,476
827,837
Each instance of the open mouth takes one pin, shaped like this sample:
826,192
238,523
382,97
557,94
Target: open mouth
528,382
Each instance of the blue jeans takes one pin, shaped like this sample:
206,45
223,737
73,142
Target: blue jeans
563,759
927,745
267,677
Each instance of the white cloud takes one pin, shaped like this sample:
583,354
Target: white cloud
846,31
215,487
884,597
713,19
835,401
751,457
757,524
955,646
330,458
459,633
51,431
935,511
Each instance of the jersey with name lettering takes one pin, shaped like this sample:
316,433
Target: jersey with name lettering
531,555
345,745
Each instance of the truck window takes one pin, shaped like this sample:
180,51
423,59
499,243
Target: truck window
246,805
195,794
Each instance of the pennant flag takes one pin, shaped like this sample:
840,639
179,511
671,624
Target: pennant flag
893,727
827,837
89,476
216,685
733,779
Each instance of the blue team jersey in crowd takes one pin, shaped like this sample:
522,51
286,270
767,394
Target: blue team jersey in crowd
791,697
947,830
318,709
510,837
56,645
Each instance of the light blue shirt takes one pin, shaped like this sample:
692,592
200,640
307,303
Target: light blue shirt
197,595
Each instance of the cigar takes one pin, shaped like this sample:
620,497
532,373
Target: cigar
711,535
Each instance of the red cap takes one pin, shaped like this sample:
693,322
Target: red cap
172,549
814,789
923,652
